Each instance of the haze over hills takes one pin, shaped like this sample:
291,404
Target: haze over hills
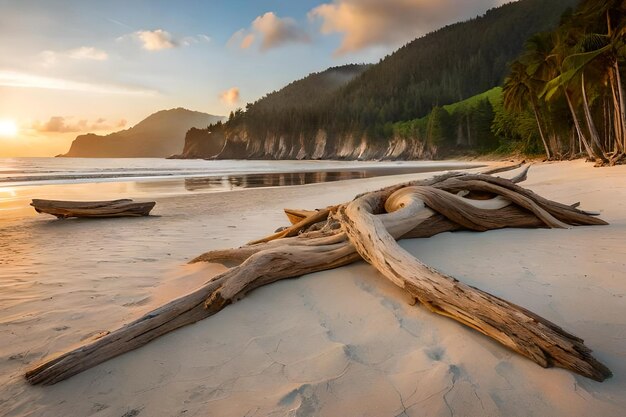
159,135
356,120
307,93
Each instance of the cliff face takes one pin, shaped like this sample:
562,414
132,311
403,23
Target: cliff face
202,143
159,135
238,145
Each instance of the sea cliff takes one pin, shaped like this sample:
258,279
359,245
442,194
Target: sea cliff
239,144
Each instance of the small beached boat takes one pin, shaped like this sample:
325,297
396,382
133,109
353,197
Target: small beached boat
93,209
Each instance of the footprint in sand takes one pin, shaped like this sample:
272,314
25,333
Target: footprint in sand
435,353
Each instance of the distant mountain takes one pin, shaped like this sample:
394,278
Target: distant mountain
159,135
354,119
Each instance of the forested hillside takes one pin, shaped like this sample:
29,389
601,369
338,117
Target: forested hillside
451,64
467,124
310,91
364,107
299,104
563,96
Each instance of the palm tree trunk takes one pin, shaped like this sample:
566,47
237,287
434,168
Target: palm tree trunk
608,143
543,137
605,136
595,136
581,135
555,144
617,124
622,110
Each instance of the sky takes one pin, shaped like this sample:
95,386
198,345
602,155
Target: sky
69,67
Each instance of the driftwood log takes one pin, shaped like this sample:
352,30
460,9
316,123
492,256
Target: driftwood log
367,228
93,209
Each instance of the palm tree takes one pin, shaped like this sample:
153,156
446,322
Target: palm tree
518,92
599,52
564,46
604,43
537,57
575,69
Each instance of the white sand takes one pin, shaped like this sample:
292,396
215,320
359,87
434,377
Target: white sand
337,343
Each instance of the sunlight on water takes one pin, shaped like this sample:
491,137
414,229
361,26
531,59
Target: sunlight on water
80,179
7,192
24,171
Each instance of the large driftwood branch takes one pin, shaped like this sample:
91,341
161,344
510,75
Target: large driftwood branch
509,324
368,227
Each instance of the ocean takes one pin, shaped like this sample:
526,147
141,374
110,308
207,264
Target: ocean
214,175
89,179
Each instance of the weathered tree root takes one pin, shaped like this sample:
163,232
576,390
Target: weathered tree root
515,327
368,228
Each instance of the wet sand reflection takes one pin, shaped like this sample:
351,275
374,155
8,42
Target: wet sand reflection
231,182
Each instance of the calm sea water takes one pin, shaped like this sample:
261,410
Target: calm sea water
201,174
22,179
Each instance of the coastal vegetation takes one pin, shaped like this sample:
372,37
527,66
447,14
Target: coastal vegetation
563,96
436,91
570,80
531,78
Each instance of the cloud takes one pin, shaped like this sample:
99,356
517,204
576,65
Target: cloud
48,58
88,52
159,39
59,124
273,31
247,41
192,40
25,80
103,124
84,53
238,39
230,96
156,40
365,23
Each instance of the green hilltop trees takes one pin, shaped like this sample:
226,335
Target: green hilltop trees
563,95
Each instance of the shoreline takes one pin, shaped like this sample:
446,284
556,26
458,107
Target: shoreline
340,342
15,196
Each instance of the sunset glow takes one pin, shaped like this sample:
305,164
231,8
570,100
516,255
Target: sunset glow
8,128
133,59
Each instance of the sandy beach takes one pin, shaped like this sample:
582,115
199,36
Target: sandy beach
338,343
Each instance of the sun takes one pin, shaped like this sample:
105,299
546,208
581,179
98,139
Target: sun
8,128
